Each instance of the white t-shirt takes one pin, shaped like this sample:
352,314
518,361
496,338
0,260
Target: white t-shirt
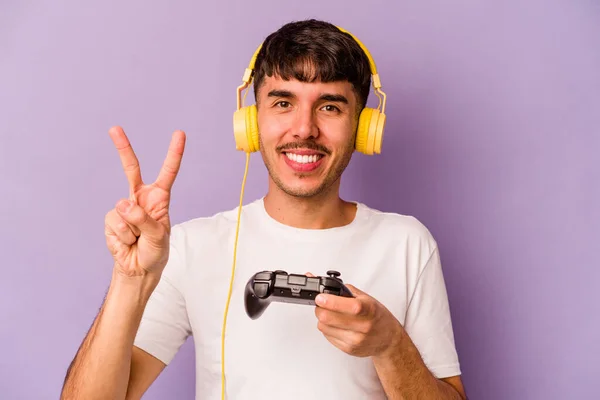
282,354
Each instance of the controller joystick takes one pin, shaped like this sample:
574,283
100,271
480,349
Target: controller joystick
278,286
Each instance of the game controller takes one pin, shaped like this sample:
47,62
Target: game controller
279,286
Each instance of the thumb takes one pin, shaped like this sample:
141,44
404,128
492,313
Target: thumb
135,215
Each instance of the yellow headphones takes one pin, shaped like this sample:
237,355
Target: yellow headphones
369,135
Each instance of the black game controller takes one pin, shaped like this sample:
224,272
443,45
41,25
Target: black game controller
267,286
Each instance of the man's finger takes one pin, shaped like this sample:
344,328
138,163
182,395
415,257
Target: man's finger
170,168
113,215
115,225
136,216
130,163
333,332
338,320
115,246
345,305
345,340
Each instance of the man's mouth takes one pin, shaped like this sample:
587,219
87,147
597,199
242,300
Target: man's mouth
306,158
303,160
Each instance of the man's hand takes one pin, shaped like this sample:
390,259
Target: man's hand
107,364
360,326
363,327
137,229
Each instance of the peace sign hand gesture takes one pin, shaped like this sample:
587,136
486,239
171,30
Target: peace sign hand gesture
137,230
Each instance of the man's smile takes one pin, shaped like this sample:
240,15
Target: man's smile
303,160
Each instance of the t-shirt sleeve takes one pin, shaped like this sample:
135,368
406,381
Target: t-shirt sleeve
428,321
165,325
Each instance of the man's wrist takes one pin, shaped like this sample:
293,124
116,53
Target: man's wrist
134,290
401,362
398,340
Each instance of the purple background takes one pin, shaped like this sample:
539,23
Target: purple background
492,141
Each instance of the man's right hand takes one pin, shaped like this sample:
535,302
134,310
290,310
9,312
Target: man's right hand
137,230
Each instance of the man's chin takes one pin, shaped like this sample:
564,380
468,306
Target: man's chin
300,189
302,193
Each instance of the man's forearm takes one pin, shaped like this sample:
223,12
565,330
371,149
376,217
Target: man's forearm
101,367
405,376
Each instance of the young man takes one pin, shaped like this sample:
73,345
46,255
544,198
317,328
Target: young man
392,340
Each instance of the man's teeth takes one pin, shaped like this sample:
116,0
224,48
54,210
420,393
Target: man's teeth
303,159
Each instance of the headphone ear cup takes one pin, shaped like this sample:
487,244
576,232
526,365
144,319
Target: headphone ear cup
245,129
369,135
362,132
378,132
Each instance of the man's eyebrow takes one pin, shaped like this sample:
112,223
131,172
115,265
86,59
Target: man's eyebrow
334,97
338,98
280,93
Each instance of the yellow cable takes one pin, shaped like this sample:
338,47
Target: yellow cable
237,231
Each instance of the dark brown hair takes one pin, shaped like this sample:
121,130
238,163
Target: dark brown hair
313,50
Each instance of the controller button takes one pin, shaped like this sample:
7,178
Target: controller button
333,274
280,272
263,276
261,289
297,280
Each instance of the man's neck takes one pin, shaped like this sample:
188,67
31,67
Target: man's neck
323,211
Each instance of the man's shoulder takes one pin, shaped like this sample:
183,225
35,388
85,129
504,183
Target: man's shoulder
397,225
221,221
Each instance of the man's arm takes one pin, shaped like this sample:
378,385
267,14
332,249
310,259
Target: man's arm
137,233
107,365
361,326
404,375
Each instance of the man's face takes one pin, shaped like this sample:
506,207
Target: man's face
306,133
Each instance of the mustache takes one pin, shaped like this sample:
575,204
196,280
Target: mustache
303,145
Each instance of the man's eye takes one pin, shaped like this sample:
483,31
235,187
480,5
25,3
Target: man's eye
283,104
330,107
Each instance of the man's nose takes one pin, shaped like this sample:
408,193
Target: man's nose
305,126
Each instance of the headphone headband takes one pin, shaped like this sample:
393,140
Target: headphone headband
369,133
247,78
